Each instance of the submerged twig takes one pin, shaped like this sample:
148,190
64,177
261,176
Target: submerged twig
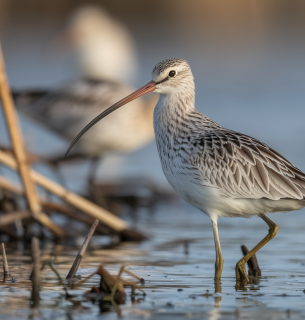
59,278
36,273
81,252
253,267
78,284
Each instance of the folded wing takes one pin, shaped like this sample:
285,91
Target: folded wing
243,167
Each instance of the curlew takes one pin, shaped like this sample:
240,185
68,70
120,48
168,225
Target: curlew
219,171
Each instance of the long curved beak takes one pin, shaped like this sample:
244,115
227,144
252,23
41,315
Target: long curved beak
150,86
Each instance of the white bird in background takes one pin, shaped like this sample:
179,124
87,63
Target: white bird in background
104,47
219,171
106,56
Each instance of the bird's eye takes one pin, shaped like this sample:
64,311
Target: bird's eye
172,73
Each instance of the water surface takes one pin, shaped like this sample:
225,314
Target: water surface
178,277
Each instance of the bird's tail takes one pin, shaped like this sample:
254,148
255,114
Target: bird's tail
28,96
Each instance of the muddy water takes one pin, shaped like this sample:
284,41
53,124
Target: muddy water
177,265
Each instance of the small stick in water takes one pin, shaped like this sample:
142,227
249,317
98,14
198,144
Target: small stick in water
81,252
252,263
36,273
5,265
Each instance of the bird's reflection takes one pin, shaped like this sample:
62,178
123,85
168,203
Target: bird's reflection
214,314
253,285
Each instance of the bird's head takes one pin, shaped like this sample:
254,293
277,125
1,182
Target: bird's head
169,76
172,76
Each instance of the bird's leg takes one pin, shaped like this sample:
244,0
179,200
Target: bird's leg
219,259
241,274
55,162
94,163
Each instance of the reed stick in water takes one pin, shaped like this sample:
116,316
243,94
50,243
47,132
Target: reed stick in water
81,252
36,273
5,264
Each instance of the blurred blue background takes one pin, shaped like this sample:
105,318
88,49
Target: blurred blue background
247,58
248,62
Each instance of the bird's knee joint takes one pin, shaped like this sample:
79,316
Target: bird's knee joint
273,231
240,262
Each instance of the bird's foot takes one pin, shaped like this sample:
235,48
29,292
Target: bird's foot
241,272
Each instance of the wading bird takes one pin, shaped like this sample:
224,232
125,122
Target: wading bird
219,171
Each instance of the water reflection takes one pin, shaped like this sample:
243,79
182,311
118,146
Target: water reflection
175,282
214,314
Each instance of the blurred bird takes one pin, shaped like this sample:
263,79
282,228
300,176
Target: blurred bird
104,47
106,57
219,171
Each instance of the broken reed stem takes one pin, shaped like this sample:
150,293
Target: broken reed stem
81,252
133,274
20,154
36,273
253,267
115,287
77,201
5,264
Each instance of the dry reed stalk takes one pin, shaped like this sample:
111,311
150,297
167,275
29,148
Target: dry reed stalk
20,154
10,186
36,273
67,211
17,189
11,217
81,252
31,157
77,201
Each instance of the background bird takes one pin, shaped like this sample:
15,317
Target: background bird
103,46
106,58
219,171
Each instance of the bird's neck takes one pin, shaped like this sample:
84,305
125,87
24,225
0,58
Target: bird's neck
171,113
176,105
176,119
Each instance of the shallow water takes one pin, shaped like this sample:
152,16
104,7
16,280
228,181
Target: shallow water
178,278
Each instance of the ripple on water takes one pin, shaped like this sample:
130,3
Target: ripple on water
178,282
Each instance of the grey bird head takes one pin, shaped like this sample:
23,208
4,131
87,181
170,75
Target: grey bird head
170,76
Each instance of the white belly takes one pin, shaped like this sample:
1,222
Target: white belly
209,200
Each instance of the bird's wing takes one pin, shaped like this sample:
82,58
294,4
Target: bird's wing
243,167
62,108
